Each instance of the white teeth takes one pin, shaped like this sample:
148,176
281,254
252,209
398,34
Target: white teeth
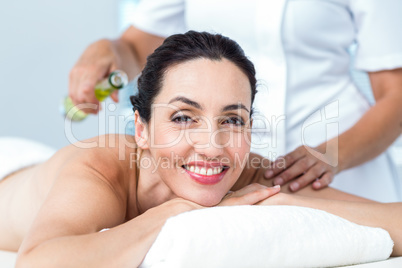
204,171
209,172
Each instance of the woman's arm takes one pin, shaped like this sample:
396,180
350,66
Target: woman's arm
370,136
386,216
90,195
122,246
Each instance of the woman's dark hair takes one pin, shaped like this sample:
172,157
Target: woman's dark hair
180,48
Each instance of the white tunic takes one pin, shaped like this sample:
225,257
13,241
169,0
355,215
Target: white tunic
300,50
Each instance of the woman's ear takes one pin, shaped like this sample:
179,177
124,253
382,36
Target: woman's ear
141,132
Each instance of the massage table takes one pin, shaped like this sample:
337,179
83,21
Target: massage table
7,260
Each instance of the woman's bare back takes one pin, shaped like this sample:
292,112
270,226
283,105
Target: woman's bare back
23,192
21,195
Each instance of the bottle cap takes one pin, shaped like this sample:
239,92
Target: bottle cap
118,79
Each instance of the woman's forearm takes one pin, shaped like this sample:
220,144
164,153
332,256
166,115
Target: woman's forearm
387,216
123,246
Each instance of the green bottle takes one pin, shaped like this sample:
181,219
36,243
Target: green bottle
116,80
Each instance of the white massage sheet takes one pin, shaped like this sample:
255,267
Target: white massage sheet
263,237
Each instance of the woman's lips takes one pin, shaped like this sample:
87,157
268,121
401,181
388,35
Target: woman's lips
207,179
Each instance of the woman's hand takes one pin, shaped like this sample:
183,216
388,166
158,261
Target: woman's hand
279,199
179,205
249,195
304,165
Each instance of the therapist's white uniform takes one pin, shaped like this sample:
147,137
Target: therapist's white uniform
300,51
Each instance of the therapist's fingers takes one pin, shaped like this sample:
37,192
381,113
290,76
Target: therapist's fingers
311,175
284,162
249,195
94,65
300,167
115,96
86,87
81,89
324,181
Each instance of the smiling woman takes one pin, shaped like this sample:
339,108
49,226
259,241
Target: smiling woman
208,84
220,119
191,150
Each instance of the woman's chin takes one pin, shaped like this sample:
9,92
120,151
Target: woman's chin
204,197
208,202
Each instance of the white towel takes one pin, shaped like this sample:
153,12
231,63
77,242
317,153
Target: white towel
19,153
265,236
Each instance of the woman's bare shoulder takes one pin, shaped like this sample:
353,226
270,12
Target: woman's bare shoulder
91,182
109,158
253,172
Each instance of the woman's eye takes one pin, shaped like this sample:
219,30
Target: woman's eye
182,119
234,121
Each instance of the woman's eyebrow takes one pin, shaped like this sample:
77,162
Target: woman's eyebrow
187,101
198,106
234,107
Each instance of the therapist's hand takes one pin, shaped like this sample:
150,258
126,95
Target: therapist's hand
301,168
95,64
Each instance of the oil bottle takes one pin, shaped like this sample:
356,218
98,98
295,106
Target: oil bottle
116,80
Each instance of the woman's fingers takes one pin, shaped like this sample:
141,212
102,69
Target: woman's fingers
247,189
249,195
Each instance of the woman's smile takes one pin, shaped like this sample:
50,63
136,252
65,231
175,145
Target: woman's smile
206,172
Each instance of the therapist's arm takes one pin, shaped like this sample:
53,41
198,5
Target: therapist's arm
376,130
127,53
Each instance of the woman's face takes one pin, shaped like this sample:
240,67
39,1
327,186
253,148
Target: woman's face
199,132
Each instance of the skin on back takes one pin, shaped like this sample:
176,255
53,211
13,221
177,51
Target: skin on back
108,168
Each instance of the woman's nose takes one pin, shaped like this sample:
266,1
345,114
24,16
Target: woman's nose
209,150
208,142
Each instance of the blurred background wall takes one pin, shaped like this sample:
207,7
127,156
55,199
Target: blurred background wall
40,42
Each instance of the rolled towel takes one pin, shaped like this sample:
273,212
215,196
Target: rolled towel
19,153
265,236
